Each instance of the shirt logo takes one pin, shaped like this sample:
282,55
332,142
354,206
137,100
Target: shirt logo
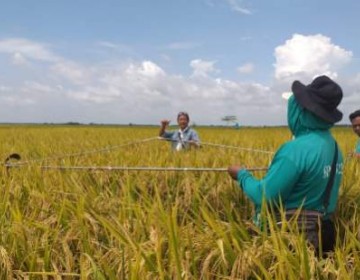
327,170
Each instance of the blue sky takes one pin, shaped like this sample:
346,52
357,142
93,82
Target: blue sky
140,61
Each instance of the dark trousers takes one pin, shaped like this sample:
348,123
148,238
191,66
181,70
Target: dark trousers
328,236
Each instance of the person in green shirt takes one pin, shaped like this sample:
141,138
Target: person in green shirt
355,122
300,170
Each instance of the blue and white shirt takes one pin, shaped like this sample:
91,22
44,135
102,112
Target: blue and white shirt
180,138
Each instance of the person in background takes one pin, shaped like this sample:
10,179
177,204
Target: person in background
305,174
355,122
183,138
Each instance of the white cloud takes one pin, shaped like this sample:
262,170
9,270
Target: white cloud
19,59
351,90
16,101
182,45
303,57
144,92
72,71
27,49
237,5
5,88
246,68
149,69
138,92
114,46
202,68
92,94
132,83
34,87
29,93
109,45
165,57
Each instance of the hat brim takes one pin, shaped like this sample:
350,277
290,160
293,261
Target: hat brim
303,96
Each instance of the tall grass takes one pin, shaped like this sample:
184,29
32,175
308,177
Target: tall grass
154,225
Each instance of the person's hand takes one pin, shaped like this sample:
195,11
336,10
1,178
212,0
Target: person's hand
165,123
234,170
353,154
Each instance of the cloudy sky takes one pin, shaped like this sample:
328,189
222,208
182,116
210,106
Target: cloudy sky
139,61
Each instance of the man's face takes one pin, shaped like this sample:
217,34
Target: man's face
182,122
356,125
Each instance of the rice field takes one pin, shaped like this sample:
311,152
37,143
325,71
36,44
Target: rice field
57,224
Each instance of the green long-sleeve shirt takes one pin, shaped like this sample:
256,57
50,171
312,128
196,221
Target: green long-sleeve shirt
300,169
357,149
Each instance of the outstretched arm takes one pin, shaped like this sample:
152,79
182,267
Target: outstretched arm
278,182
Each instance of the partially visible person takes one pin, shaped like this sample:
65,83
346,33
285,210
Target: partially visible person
183,138
355,122
305,174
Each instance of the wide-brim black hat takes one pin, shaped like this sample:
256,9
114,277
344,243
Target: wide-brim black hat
321,97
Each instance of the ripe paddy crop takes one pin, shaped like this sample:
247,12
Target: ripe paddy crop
153,224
